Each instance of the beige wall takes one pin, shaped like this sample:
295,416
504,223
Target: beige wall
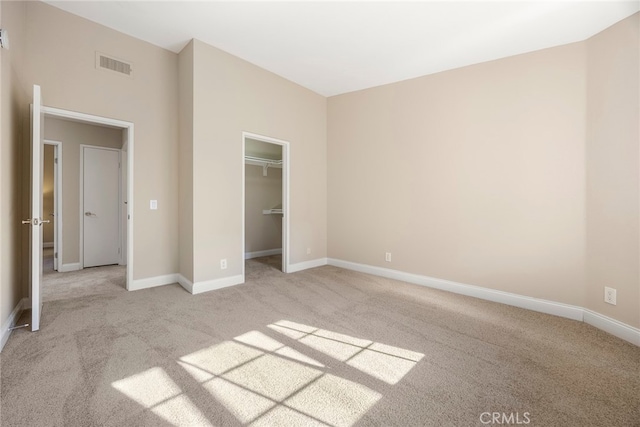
48,193
61,49
474,175
613,171
72,135
262,232
231,96
185,217
13,111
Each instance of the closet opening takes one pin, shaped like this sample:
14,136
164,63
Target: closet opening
265,202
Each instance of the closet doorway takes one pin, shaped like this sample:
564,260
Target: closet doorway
265,200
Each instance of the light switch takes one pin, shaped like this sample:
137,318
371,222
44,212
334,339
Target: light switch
153,205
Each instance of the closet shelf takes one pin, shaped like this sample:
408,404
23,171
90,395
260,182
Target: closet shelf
272,212
265,163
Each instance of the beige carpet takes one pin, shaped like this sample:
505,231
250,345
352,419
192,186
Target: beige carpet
47,261
85,282
325,347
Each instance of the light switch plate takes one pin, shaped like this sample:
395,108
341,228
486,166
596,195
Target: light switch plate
153,205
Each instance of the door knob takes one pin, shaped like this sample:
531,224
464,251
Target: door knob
89,214
26,221
44,221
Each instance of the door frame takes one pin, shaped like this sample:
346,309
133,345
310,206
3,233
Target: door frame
57,202
286,167
128,140
81,200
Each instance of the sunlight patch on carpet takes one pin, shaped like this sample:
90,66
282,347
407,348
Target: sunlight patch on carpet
334,400
259,340
155,390
273,376
336,349
382,366
283,416
245,405
148,388
384,362
221,358
261,381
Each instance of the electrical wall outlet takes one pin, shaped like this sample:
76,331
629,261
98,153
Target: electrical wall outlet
223,264
387,256
308,251
609,295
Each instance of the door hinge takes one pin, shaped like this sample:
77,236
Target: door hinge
118,250
55,160
55,255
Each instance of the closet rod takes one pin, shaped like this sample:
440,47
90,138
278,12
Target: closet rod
265,163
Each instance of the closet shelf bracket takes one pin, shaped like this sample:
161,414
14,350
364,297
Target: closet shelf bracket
272,212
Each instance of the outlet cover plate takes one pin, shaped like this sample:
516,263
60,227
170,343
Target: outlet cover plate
610,295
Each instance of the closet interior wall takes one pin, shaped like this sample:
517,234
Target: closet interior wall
263,200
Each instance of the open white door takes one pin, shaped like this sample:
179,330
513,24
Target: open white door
35,222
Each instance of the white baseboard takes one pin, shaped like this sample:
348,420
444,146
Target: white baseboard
614,327
47,245
210,285
152,282
193,288
185,283
258,254
11,322
299,266
65,268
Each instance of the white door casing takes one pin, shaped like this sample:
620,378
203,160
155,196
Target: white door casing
56,203
124,167
100,177
286,167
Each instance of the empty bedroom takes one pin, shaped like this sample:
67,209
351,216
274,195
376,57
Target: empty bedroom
326,213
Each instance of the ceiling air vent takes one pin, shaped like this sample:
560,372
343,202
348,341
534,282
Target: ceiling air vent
112,64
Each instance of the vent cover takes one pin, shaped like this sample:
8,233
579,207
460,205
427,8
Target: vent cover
114,65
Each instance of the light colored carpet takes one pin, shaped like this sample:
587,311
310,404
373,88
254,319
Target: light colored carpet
47,261
86,282
74,284
320,347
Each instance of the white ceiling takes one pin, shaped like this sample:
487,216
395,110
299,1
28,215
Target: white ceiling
333,47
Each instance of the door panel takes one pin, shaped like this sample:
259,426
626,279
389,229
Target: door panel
100,215
35,222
